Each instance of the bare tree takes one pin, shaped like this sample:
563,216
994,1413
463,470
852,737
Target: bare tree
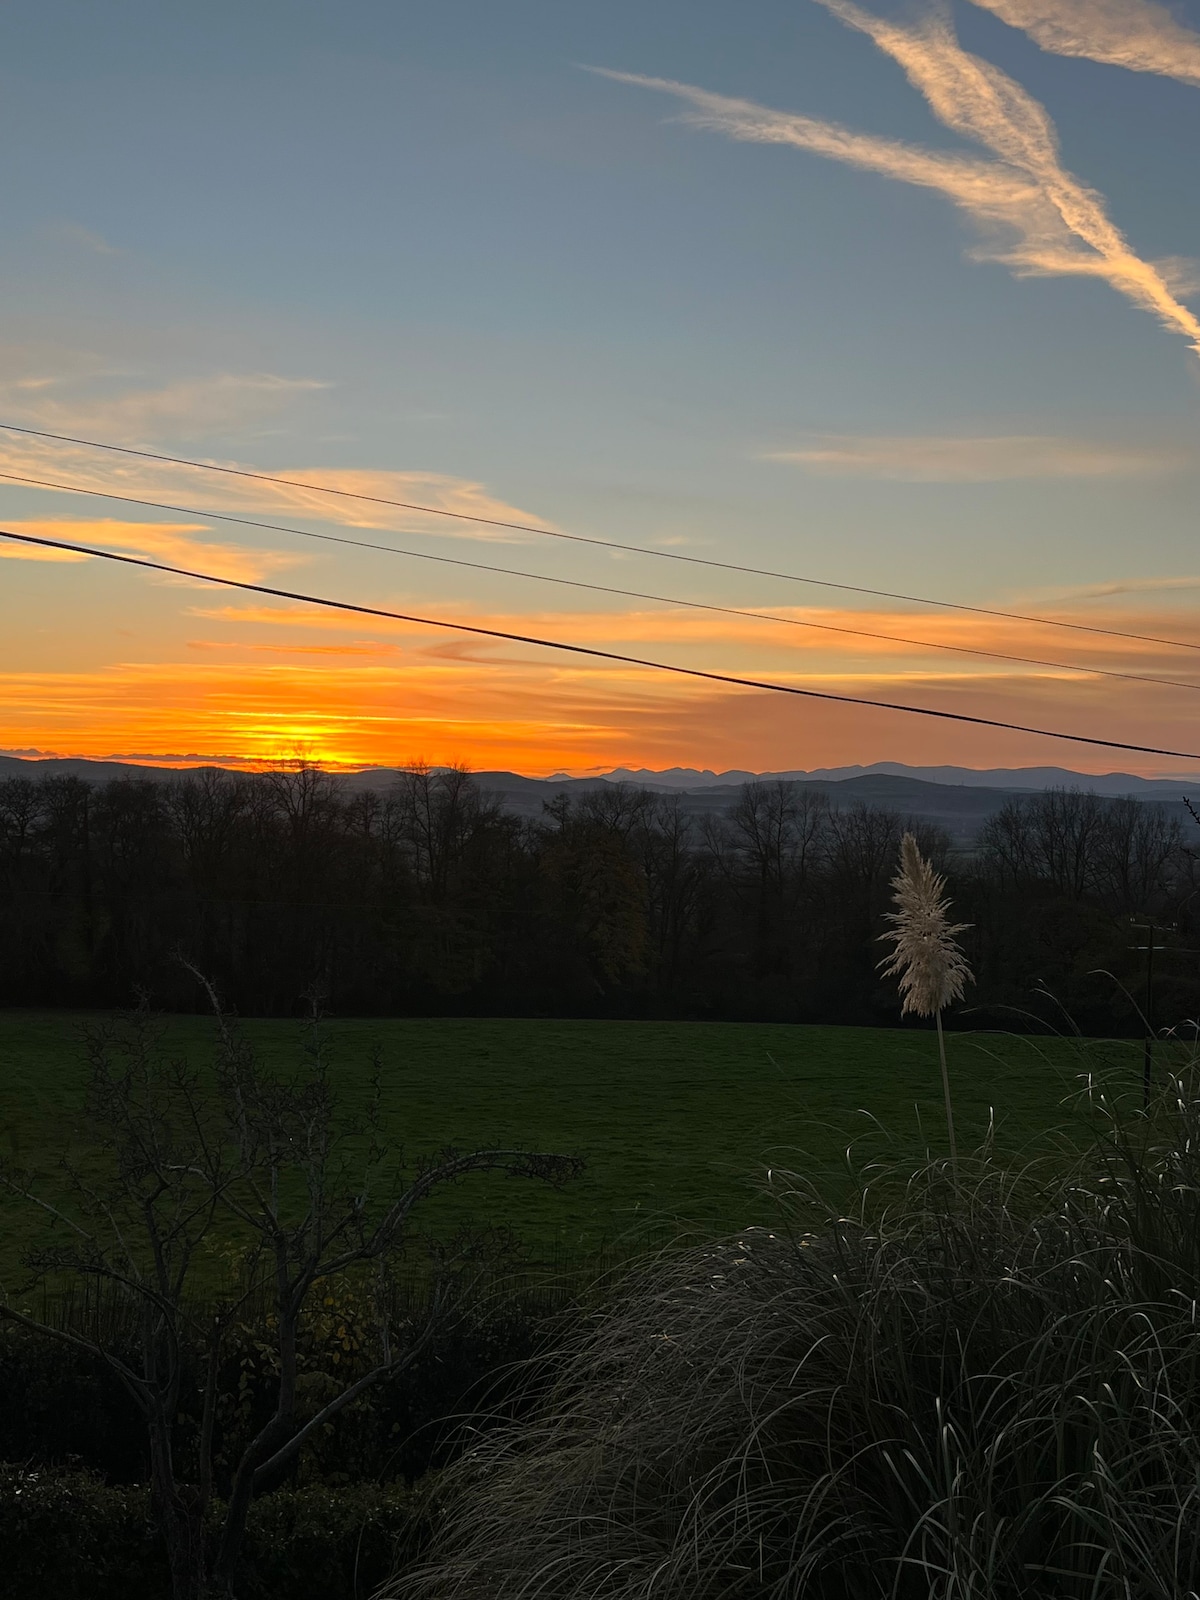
207,808
442,812
1140,847
674,873
183,1159
780,833
20,810
1053,838
1077,844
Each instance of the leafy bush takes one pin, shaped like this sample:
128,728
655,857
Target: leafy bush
334,1533
68,1534
330,1544
987,1390
62,1406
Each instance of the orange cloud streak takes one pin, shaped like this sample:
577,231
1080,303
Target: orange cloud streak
550,716
808,629
171,542
260,678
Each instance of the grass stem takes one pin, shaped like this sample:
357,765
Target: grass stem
946,1091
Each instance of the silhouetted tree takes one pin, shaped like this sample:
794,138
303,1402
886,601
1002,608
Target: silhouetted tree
183,1163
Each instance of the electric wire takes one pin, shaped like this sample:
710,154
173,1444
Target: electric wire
603,544
599,588
582,649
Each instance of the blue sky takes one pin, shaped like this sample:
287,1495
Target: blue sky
428,246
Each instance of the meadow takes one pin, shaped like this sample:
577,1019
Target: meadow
678,1123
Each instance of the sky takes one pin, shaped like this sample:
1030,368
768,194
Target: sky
905,298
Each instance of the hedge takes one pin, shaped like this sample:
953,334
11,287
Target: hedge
68,1534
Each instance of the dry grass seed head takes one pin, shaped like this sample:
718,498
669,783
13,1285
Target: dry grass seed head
927,959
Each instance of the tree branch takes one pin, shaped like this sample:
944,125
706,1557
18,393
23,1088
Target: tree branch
287,1452
142,1392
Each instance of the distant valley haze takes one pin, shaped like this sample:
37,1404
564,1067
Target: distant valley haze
958,799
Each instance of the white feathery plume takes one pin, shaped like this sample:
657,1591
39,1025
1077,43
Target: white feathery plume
932,969
927,959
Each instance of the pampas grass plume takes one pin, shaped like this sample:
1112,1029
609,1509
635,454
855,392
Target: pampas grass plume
932,969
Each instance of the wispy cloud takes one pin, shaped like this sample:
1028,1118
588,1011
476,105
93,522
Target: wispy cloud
136,415
1035,216
171,542
1069,231
986,189
154,417
1118,586
1137,34
464,499
179,486
81,238
33,552
810,639
995,459
374,648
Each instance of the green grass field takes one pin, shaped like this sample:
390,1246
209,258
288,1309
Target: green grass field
677,1122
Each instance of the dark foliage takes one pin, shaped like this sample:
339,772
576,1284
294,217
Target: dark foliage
63,1407
429,898
325,1231
68,1534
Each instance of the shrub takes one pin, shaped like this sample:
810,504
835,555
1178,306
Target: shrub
67,1534
70,1535
334,1544
175,1157
61,1405
64,1406
987,1390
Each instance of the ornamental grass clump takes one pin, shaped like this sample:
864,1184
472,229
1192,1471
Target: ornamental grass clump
932,969
991,1393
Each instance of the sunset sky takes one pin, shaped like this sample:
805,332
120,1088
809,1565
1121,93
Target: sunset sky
906,298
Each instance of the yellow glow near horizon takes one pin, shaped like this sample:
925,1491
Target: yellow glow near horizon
215,677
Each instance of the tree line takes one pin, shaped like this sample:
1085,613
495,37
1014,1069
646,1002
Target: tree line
429,896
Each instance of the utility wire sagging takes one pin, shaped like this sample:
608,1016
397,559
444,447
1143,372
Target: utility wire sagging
602,588
585,650
603,544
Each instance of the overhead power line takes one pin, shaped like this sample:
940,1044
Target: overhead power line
582,649
599,588
602,544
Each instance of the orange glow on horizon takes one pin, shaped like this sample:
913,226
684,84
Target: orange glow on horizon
246,680
514,717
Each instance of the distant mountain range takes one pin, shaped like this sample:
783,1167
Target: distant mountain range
960,802
1110,783
685,778
960,799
